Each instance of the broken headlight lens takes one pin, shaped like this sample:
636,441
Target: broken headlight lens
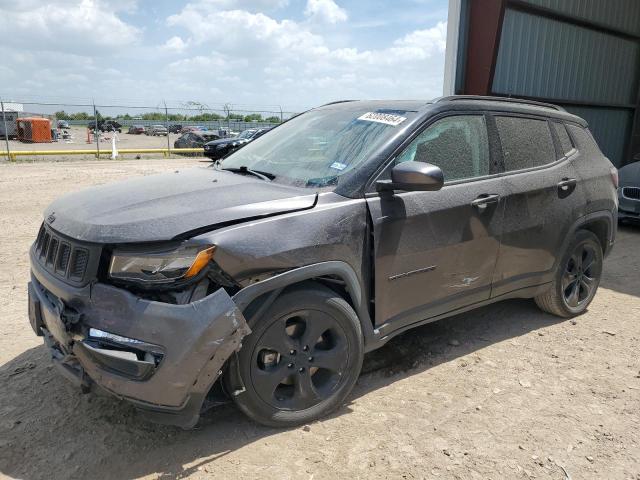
166,266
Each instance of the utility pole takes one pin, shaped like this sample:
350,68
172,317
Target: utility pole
166,124
6,132
227,109
96,132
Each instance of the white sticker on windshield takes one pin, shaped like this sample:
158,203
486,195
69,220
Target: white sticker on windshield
386,118
338,166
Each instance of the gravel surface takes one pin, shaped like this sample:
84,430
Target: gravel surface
505,391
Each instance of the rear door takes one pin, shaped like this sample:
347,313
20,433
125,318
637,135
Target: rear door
544,199
436,251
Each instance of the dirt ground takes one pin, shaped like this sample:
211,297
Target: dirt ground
502,392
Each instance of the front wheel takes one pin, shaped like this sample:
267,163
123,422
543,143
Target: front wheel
301,360
577,277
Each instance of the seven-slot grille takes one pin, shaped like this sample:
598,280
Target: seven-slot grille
60,256
631,192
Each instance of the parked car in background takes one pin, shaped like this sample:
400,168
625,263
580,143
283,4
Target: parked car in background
110,126
63,124
175,128
189,128
221,148
629,193
136,129
195,139
267,277
157,130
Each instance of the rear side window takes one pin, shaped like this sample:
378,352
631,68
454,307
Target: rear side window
584,139
563,136
526,142
457,144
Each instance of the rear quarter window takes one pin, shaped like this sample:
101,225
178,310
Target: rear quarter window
584,140
526,142
563,137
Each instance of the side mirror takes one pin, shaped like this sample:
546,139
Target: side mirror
413,176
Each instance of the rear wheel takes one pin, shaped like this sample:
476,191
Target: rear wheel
301,360
577,278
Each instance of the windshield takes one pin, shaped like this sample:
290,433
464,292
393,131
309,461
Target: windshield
316,148
246,134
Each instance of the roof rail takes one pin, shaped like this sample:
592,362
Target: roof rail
522,101
337,101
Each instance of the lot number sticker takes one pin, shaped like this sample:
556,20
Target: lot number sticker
386,118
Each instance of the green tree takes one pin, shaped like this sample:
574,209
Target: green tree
254,117
273,119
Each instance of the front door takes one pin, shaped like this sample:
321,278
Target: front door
436,251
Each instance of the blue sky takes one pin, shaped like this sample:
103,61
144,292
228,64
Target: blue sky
293,53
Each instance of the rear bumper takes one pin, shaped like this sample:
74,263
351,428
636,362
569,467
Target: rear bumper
161,357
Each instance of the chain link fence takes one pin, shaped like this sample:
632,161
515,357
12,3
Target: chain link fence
30,130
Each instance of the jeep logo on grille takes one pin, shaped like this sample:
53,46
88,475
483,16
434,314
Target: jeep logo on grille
51,218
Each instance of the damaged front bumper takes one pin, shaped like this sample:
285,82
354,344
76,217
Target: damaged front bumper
161,357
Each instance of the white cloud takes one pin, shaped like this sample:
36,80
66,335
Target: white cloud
215,51
175,45
68,25
210,6
246,34
214,63
325,11
289,61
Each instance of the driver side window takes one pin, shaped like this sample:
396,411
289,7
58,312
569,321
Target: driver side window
457,144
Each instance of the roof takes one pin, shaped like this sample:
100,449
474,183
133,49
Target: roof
407,105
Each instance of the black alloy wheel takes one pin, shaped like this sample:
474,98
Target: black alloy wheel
301,360
576,279
580,275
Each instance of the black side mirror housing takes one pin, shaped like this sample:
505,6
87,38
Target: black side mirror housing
413,176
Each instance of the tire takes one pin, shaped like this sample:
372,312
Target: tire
577,278
281,366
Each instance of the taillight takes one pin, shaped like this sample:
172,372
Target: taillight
614,176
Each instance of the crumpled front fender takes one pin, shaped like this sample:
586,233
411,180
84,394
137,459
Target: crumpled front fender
196,338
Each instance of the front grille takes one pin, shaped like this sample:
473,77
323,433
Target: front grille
62,256
631,192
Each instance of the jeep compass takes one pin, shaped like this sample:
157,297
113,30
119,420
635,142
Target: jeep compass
266,278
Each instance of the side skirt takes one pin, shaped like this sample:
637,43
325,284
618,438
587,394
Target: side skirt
389,330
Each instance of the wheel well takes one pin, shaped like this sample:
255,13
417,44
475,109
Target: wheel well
599,227
259,304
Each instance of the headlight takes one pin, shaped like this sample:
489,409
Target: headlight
165,266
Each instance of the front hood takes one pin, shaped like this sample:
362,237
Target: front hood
170,205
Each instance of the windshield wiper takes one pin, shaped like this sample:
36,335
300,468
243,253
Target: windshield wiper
243,170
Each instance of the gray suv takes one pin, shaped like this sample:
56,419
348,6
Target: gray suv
265,279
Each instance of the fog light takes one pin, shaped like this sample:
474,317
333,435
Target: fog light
95,333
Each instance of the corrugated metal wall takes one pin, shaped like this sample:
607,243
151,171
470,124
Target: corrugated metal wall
552,59
623,15
610,127
540,57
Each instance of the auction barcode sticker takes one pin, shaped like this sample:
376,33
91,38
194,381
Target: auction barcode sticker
386,118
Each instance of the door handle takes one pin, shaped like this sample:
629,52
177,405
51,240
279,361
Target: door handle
567,184
485,199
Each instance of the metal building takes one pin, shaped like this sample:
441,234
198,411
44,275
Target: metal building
581,54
